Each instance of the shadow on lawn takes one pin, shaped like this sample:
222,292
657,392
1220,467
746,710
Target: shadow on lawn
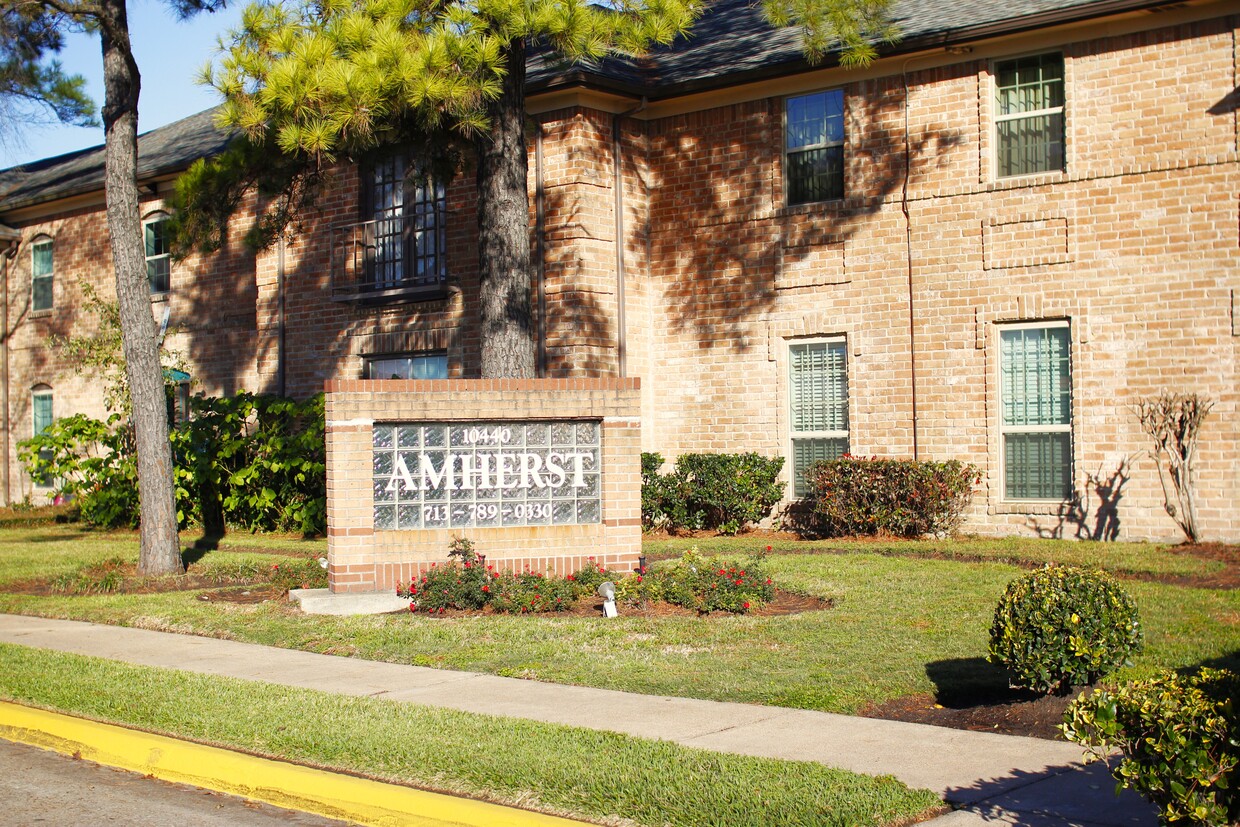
209,541
960,683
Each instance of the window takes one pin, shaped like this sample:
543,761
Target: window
407,218
818,393
41,275
814,147
408,366
41,414
158,257
1035,384
1029,126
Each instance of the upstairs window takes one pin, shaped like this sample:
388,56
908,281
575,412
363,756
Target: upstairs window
41,267
818,393
1029,124
1035,384
814,147
158,254
408,228
408,366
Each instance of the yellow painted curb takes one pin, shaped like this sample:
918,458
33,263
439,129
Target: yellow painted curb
275,782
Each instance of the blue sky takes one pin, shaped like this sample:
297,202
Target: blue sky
169,52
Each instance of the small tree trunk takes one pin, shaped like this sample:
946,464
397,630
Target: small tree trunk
160,545
504,231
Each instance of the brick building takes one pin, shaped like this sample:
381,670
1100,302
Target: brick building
988,245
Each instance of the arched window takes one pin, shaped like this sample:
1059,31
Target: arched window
41,269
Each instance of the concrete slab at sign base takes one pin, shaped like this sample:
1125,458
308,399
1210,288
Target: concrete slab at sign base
325,602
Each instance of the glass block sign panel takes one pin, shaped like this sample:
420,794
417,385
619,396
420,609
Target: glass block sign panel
486,474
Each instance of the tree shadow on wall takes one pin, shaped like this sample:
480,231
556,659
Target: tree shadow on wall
1081,520
720,233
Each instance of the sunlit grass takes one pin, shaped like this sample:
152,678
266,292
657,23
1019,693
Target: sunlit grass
907,618
579,772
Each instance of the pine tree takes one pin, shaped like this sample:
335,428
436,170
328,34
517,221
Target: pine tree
337,79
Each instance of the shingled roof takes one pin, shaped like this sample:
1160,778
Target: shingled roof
730,44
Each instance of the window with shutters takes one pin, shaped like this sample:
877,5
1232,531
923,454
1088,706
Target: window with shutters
818,394
1035,386
1029,115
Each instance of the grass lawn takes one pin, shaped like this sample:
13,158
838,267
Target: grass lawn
575,772
908,618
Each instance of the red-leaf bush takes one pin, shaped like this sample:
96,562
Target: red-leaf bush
907,498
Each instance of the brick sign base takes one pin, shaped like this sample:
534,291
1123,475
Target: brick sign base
366,557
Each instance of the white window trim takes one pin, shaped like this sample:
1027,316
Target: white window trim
794,435
155,218
1004,430
810,147
997,119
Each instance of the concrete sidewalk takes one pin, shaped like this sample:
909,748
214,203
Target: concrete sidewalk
992,779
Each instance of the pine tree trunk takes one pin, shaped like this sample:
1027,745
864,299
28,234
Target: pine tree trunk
504,231
161,547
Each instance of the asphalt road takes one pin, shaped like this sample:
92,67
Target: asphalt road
47,788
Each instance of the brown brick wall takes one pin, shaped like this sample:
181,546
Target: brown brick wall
1135,243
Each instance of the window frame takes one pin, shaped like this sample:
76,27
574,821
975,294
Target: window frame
148,222
370,359
42,392
787,153
418,259
997,118
1057,428
795,484
37,243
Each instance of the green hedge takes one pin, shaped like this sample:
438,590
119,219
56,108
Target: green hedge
1180,736
907,498
251,461
724,492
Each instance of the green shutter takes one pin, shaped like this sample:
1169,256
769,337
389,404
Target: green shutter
41,405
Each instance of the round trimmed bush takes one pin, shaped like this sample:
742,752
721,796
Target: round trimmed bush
1062,626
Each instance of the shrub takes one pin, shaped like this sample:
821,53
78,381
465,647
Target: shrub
530,592
908,498
725,492
1180,736
91,463
710,584
652,490
1061,626
258,462
306,573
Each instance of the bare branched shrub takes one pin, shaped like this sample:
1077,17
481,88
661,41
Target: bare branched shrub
1173,421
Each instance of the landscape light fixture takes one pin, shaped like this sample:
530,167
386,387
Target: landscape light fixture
607,591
